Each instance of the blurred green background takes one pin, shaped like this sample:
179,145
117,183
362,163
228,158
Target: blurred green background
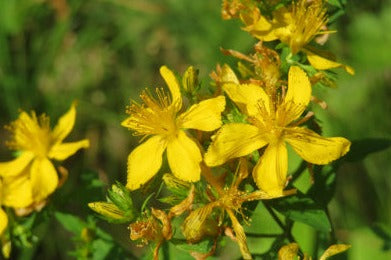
103,52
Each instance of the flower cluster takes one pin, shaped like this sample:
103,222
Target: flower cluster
244,124
205,156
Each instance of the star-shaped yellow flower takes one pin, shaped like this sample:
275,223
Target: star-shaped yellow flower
297,27
31,177
273,125
161,120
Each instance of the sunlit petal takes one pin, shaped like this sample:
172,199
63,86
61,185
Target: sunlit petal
173,85
323,63
232,141
228,75
3,221
62,151
205,116
17,165
145,161
44,178
17,190
184,157
271,170
314,148
297,97
247,97
65,124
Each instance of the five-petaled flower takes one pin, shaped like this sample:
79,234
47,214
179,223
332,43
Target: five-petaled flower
160,120
273,124
32,177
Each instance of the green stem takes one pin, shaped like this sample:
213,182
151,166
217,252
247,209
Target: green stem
300,169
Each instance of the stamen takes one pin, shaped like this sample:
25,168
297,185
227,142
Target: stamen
30,133
309,19
155,116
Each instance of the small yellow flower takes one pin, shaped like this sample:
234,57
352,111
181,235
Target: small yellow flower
31,177
162,121
272,126
296,26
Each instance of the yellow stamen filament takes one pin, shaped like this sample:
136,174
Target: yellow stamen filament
31,134
155,116
309,18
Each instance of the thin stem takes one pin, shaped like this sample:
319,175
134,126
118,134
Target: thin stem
296,174
332,231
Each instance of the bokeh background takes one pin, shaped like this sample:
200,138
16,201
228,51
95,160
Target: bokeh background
103,52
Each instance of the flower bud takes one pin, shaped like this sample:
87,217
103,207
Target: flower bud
190,80
120,196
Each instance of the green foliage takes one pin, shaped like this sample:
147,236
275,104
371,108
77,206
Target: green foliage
304,209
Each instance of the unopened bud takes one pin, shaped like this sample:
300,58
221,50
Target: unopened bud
190,80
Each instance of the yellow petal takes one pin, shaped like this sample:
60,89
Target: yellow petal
62,151
173,86
299,87
17,165
288,252
247,97
228,75
334,250
270,172
145,161
3,221
44,179
314,148
232,141
323,63
297,97
205,116
258,26
17,190
65,124
184,157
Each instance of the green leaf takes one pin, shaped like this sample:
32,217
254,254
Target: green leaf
101,249
303,209
383,232
202,247
323,188
336,3
362,148
71,223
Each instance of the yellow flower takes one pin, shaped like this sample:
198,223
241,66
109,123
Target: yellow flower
272,126
161,120
296,27
31,177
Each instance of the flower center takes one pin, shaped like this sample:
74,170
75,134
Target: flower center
155,116
31,134
308,19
